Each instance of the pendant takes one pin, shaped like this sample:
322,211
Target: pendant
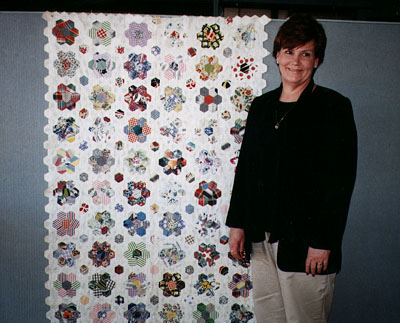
277,126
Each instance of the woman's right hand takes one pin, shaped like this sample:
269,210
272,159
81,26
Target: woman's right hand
236,243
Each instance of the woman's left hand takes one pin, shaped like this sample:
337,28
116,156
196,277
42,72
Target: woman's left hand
317,261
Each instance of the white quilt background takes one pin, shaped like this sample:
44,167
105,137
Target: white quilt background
151,108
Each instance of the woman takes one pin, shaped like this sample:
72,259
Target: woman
293,183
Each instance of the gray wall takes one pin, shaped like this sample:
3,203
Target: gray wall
362,62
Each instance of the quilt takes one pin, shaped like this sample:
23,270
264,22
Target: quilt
146,115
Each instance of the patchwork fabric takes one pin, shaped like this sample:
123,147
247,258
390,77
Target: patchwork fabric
146,115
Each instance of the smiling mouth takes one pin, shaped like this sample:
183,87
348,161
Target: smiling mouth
294,70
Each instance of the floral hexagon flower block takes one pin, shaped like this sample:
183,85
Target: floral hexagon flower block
136,223
136,285
137,193
207,193
102,65
66,97
210,36
65,224
171,223
102,313
101,98
102,129
136,313
137,98
207,224
137,130
101,33
65,161
101,223
172,192
66,285
171,313
66,193
66,129
206,284
101,284
172,255
101,161
245,68
242,98
209,99
245,36
138,34
205,313
240,314
137,66
173,67
171,284
173,99
207,254
101,192
209,68
174,130
67,313
101,254
175,34
137,254
208,161
136,161
240,285
65,32
66,254
66,64
172,162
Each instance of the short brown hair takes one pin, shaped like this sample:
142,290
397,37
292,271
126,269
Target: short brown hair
298,30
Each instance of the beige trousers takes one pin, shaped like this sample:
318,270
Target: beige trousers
287,297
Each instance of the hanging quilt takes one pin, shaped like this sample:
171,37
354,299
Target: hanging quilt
146,115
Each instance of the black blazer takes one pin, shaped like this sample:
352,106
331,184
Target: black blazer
305,178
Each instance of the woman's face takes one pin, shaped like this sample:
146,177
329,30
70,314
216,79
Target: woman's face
296,65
